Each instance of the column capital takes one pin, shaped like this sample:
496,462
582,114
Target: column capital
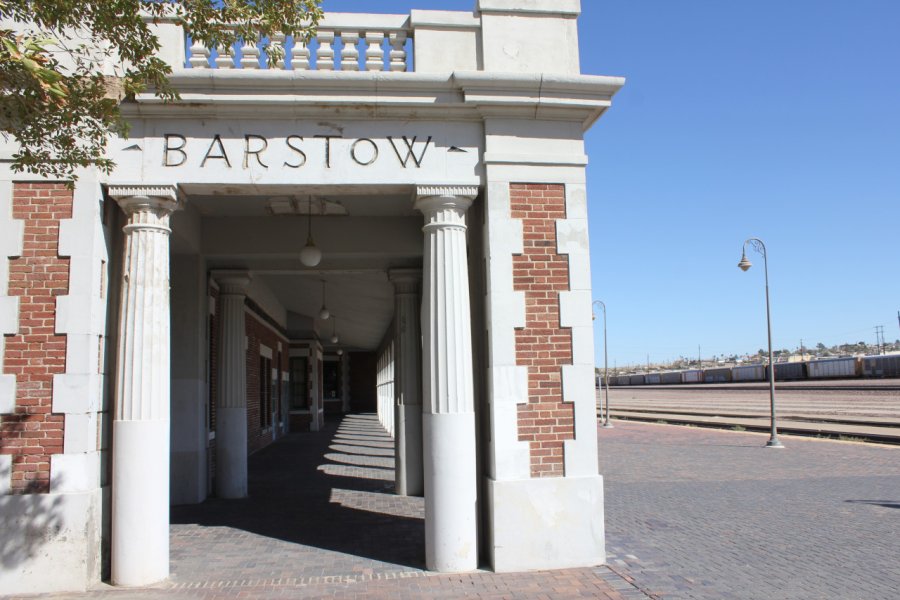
232,283
406,281
445,206
144,198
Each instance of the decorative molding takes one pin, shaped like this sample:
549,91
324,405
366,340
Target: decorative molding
164,192
459,191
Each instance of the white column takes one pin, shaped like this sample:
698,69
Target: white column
317,402
448,420
231,407
140,450
408,474
345,382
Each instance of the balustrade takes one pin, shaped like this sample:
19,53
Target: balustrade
368,42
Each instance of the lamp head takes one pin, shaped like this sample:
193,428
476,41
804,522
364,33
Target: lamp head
310,256
324,314
334,339
744,264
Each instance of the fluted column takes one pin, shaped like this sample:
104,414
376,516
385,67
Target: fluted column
231,410
140,449
448,419
408,473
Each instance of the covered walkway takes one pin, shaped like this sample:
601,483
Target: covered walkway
322,521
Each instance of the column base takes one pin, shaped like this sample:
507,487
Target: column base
550,523
451,529
140,502
409,475
231,452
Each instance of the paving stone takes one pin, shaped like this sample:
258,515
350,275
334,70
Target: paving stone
697,513
322,521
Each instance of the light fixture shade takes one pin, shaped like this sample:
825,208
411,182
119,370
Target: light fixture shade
310,256
744,264
340,352
334,339
324,313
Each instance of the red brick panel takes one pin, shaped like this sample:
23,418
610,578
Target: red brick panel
35,354
542,345
258,333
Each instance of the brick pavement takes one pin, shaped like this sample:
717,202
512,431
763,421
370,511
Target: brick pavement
322,521
699,513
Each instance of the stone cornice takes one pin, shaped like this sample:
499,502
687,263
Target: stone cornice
462,95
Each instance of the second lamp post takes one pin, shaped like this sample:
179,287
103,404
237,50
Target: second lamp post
745,264
606,423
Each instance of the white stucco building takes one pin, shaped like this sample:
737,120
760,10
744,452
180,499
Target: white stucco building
159,324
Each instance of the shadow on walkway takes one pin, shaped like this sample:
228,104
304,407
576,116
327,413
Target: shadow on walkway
328,493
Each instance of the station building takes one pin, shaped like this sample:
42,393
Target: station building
161,323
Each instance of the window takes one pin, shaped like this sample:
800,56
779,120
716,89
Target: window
299,366
265,391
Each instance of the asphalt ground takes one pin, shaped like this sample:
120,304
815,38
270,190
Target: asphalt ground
703,513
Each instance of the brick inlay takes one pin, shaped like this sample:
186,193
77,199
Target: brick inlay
35,354
542,345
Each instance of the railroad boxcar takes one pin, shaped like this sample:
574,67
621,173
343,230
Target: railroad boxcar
636,379
670,377
717,375
652,379
833,368
881,366
749,373
692,376
789,371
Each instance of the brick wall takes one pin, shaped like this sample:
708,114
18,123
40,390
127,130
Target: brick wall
35,354
259,333
542,345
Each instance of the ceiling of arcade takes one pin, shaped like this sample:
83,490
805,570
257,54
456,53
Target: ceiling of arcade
361,233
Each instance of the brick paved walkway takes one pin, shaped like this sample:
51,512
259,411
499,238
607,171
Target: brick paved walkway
699,513
322,522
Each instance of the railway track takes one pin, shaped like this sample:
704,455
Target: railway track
858,410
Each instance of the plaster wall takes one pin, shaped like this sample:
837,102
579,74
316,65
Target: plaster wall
530,519
529,36
296,152
190,392
52,541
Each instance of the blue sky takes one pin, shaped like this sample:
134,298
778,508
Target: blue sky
768,118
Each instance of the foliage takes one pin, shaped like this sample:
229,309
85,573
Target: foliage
65,66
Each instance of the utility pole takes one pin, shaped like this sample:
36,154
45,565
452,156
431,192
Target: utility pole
801,348
699,360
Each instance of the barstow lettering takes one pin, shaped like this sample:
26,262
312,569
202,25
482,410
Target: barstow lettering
362,151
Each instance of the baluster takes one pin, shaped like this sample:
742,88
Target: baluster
278,43
350,53
374,51
300,55
398,51
225,59
249,56
325,55
199,56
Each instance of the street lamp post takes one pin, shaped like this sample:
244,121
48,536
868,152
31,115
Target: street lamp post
758,245
606,423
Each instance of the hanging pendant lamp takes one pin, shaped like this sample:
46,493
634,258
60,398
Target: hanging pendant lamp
310,256
334,336
324,313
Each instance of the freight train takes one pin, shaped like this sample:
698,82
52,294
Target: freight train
824,368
